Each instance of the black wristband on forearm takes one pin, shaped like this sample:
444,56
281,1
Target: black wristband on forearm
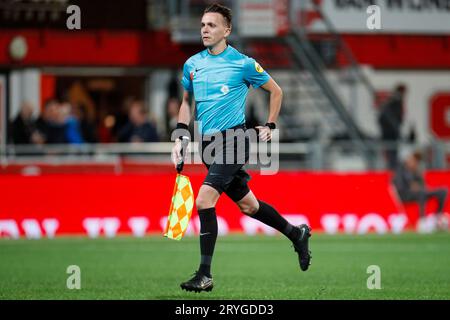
271,125
181,125
182,130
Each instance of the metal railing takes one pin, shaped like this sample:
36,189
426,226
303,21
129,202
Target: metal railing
356,71
313,155
310,59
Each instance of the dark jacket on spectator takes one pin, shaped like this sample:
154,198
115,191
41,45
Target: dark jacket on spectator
390,118
21,130
403,179
53,132
146,132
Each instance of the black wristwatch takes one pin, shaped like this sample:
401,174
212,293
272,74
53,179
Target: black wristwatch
270,125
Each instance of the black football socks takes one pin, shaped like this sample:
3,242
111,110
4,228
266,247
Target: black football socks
208,236
268,215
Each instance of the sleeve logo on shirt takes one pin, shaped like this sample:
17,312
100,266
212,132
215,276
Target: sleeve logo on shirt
192,75
258,67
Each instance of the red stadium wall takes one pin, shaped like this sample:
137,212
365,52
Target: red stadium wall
96,205
94,48
155,48
400,51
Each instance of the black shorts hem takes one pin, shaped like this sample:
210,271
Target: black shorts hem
238,195
212,185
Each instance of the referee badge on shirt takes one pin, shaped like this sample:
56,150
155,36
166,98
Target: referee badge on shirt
225,89
258,67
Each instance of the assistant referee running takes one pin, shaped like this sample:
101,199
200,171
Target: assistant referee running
219,77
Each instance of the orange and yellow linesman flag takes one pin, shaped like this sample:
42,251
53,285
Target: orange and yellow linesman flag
180,209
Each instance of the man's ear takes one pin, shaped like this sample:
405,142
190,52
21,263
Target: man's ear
228,32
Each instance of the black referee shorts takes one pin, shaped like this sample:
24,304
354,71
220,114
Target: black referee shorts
225,154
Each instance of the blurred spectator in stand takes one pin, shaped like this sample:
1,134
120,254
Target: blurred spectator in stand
121,117
23,128
50,124
105,126
410,185
173,89
87,128
138,128
173,105
390,120
412,136
72,126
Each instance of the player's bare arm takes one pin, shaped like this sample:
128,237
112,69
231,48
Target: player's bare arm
276,96
184,117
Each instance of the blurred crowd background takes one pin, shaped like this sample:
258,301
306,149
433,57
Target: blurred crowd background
357,96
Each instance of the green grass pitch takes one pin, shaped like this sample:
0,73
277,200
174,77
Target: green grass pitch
244,267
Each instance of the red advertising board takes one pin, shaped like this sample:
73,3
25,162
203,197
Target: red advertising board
107,205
